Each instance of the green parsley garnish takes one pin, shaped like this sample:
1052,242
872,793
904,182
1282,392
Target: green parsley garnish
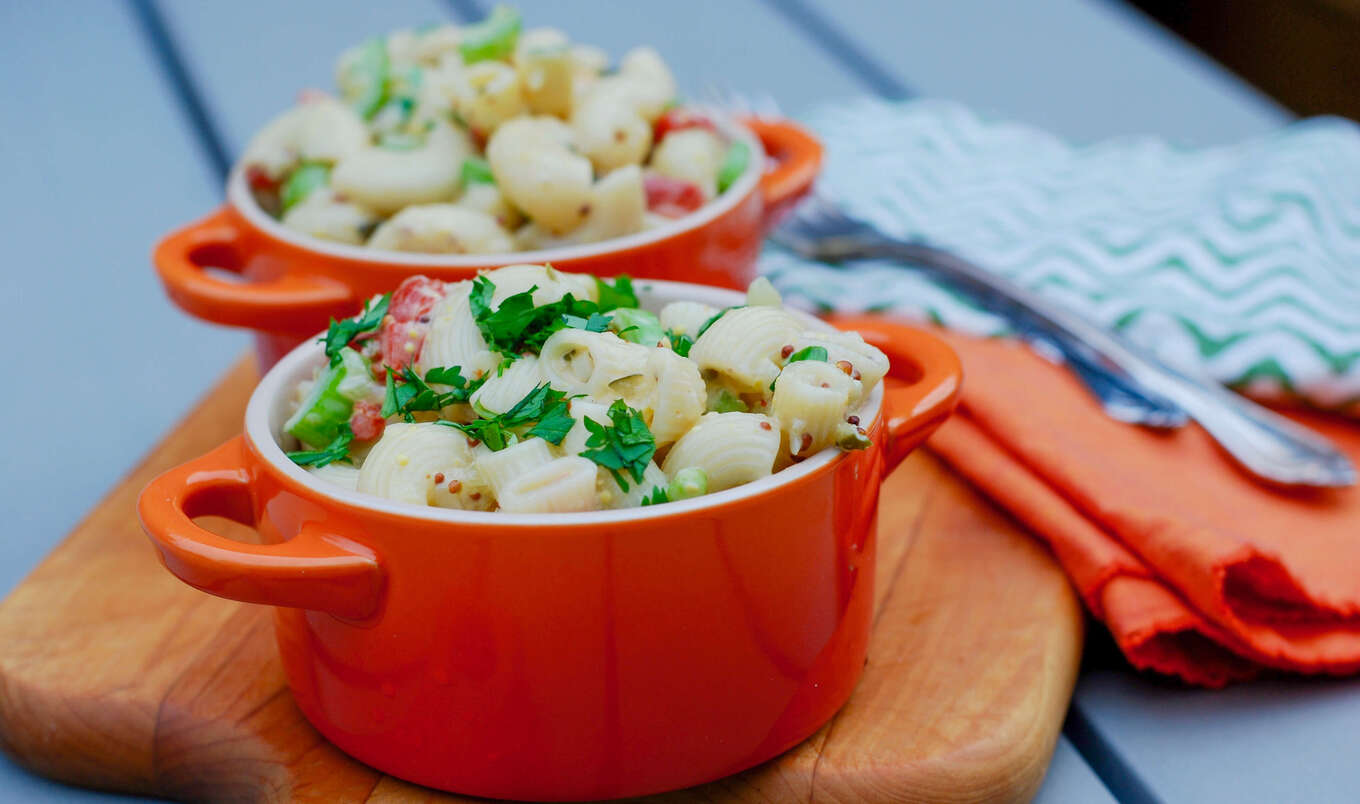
340,333
657,496
596,322
711,321
337,450
680,344
415,394
627,446
302,182
519,326
544,407
619,294
808,353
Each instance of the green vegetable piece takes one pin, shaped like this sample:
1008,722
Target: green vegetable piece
401,141
849,437
493,37
808,353
517,325
358,378
337,450
595,323
340,333
554,425
367,76
656,496
628,446
727,402
476,171
689,482
619,294
546,408
638,326
734,164
714,319
680,344
305,178
317,420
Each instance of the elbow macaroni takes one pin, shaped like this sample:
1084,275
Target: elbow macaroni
587,420
536,132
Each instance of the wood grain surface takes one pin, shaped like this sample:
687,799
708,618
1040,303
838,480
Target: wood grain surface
115,675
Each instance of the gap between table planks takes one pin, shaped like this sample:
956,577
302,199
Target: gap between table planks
115,675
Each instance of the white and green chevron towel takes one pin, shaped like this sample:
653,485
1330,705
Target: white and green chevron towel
1242,261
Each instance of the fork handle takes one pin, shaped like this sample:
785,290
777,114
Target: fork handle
1265,443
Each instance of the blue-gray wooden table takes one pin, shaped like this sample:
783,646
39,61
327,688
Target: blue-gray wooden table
120,118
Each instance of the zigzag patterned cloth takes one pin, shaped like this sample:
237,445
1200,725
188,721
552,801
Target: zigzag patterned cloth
1240,261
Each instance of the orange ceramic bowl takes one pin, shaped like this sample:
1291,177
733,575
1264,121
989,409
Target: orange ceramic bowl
290,285
569,656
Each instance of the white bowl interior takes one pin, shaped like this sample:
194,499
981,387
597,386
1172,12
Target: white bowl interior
269,409
238,194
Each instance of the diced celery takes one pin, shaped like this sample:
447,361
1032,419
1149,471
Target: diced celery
305,178
638,326
734,164
367,78
493,37
357,382
724,401
689,482
477,171
331,401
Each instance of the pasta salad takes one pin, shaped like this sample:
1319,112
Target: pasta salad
531,390
487,139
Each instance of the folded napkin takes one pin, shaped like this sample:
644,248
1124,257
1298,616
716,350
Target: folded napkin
1199,571
1240,261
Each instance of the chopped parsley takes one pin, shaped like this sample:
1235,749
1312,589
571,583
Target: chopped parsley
680,344
337,450
596,322
808,353
415,394
341,333
714,319
626,446
543,407
619,294
518,325
656,497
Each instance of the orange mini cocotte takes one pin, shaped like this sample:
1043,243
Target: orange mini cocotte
564,656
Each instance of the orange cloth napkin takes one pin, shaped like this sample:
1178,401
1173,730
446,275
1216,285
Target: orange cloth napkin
1198,570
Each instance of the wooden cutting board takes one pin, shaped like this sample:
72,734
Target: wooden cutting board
115,675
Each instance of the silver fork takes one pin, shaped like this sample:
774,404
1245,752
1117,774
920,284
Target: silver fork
1264,443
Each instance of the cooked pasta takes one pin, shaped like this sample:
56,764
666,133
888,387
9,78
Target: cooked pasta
526,126
686,317
529,390
562,485
731,448
810,400
501,468
744,345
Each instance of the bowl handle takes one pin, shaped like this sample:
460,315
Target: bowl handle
931,378
796,156
288,303
317,569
